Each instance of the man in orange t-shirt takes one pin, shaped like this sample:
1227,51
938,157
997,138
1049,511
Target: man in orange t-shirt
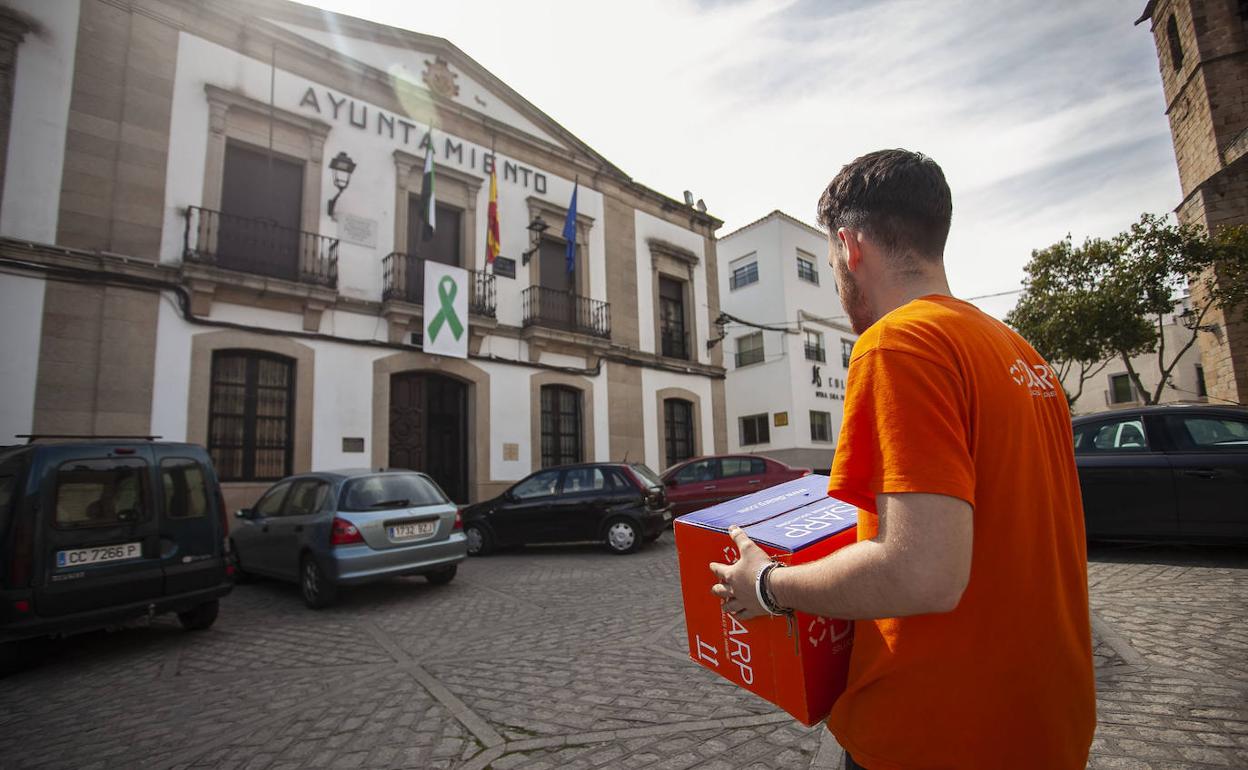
972,646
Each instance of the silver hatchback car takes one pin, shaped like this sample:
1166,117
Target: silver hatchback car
336,528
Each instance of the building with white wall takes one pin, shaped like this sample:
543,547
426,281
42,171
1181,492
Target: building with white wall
169,266
1111,386
786,382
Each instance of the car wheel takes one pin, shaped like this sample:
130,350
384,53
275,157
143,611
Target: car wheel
442,576
622,536
478,540
200,617
317,590
241,577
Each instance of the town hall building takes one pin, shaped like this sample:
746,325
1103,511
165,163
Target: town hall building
211,231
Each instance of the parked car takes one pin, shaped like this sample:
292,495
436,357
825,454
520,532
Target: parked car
1169,472
619,504
337,528
93,533
704,481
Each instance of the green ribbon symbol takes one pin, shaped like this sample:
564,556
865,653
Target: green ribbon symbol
447,289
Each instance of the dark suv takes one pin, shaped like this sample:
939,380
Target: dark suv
97,532
619,504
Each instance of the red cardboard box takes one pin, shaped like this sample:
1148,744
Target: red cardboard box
800,669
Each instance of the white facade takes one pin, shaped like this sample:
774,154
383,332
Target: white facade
790,383
347,335
1111,387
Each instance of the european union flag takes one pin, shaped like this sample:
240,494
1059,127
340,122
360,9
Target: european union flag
569,230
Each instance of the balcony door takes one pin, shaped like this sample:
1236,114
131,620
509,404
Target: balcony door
261,211
443,247
556,301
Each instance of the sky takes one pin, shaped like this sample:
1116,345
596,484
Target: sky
1047,118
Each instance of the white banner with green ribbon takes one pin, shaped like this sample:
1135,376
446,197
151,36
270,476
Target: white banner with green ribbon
446,310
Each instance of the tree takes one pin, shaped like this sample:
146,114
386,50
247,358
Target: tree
1069,311
1083,306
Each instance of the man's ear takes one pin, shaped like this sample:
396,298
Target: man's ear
852,245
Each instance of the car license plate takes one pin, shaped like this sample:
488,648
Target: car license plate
409,531
80,557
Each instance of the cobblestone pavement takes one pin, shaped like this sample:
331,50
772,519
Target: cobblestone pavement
565,657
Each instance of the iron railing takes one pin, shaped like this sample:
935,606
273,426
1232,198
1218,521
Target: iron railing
565,310
260,247
404,280
674,342
816,353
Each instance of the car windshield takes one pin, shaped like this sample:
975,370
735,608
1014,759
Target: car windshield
389,491
650,477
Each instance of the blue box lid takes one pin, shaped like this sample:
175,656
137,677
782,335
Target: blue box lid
761,505
792,515
797,529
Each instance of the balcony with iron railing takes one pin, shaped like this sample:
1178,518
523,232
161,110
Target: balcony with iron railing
674,341
404,280
259,247
566,311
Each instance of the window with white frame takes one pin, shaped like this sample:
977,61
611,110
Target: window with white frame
755,429
743,271
820,426
847,351
806,267
814,346
749,349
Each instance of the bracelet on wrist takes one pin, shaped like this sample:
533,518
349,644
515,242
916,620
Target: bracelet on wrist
762,590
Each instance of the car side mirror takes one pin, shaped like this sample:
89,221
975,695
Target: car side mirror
243,513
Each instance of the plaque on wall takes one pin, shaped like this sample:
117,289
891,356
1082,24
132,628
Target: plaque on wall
358,230
782,419
511,452
352,444
504,267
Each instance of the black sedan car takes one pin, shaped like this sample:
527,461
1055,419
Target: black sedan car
1169,472
619,504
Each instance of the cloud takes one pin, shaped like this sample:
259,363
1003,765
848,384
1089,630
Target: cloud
1047,117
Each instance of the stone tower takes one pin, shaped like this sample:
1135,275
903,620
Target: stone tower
1202,49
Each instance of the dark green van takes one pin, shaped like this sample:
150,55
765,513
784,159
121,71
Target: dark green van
97,532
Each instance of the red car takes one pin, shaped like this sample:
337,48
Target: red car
705,481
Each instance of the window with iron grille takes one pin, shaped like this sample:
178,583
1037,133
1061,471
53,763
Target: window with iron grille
561,425
847,352
814,347
755,429
672,318
678,430
820,426
744,272
251,415
749,349
806,268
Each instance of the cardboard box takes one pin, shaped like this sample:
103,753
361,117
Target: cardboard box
802,670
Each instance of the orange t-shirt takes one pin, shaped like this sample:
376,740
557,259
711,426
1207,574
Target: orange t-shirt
944,399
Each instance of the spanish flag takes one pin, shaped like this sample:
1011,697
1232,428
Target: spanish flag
491,231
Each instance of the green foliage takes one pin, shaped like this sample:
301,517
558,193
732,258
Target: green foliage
1082,306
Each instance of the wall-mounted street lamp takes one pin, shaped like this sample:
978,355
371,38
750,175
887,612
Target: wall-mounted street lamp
342,166
1189,320
535,228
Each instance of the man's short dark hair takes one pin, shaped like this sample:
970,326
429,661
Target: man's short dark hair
900,199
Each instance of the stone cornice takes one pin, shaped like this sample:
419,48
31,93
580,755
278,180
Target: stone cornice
663,248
